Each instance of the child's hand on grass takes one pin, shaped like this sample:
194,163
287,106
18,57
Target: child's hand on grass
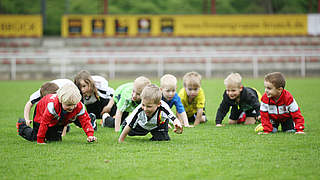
91,139
178,129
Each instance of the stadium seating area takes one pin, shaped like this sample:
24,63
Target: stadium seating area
95,54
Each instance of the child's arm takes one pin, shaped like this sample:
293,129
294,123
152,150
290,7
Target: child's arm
108,107
222,110
183,119
177,126
265,120
117,120
296,116
198,117
26,112
124,133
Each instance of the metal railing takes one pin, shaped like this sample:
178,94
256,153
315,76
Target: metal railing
158,58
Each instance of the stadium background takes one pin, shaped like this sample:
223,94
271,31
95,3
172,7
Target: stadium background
123,45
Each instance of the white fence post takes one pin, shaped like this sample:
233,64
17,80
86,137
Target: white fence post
63,68
255,66
208,67
13,69
160,66
112,68
303,66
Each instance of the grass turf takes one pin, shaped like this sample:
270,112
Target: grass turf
203,152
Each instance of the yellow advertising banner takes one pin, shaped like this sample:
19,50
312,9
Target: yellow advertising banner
20,26
184,25
241,25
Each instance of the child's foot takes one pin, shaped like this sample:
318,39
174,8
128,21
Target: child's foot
20,122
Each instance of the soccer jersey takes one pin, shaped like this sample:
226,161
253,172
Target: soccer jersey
175,101
123,98
285,108
197,103
36,96
139,117
102,86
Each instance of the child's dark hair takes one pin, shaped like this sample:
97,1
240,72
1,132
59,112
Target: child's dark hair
86,77
48,88
277,79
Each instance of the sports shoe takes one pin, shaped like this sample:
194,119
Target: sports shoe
104,117
19,123
93,121
259,128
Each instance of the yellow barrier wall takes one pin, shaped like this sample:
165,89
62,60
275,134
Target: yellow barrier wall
20,26
183,25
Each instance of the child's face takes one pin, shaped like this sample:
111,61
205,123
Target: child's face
136,92
233,91
271,90
85,89
169,92
68,107
149,107
192,90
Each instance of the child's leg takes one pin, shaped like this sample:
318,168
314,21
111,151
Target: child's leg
193,118
251,117
275,125
203,118
25,131
288,126
160,133
250,120
54,133
235,114
136,131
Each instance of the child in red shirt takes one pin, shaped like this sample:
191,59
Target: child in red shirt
279,107
53,112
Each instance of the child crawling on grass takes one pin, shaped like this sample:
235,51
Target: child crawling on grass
152,115
279,107
53,112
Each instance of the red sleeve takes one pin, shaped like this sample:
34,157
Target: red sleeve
298,120
265,120
295,112
85,121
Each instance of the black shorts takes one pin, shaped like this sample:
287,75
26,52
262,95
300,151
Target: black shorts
158,134
235,113
97,107
53,133
285,125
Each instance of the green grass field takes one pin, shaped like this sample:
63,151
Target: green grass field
204,152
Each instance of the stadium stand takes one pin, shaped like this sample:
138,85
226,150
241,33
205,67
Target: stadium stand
43,56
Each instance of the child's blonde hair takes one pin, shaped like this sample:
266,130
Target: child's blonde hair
141,82
192,78
233,79
69,94
152,92
168,80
